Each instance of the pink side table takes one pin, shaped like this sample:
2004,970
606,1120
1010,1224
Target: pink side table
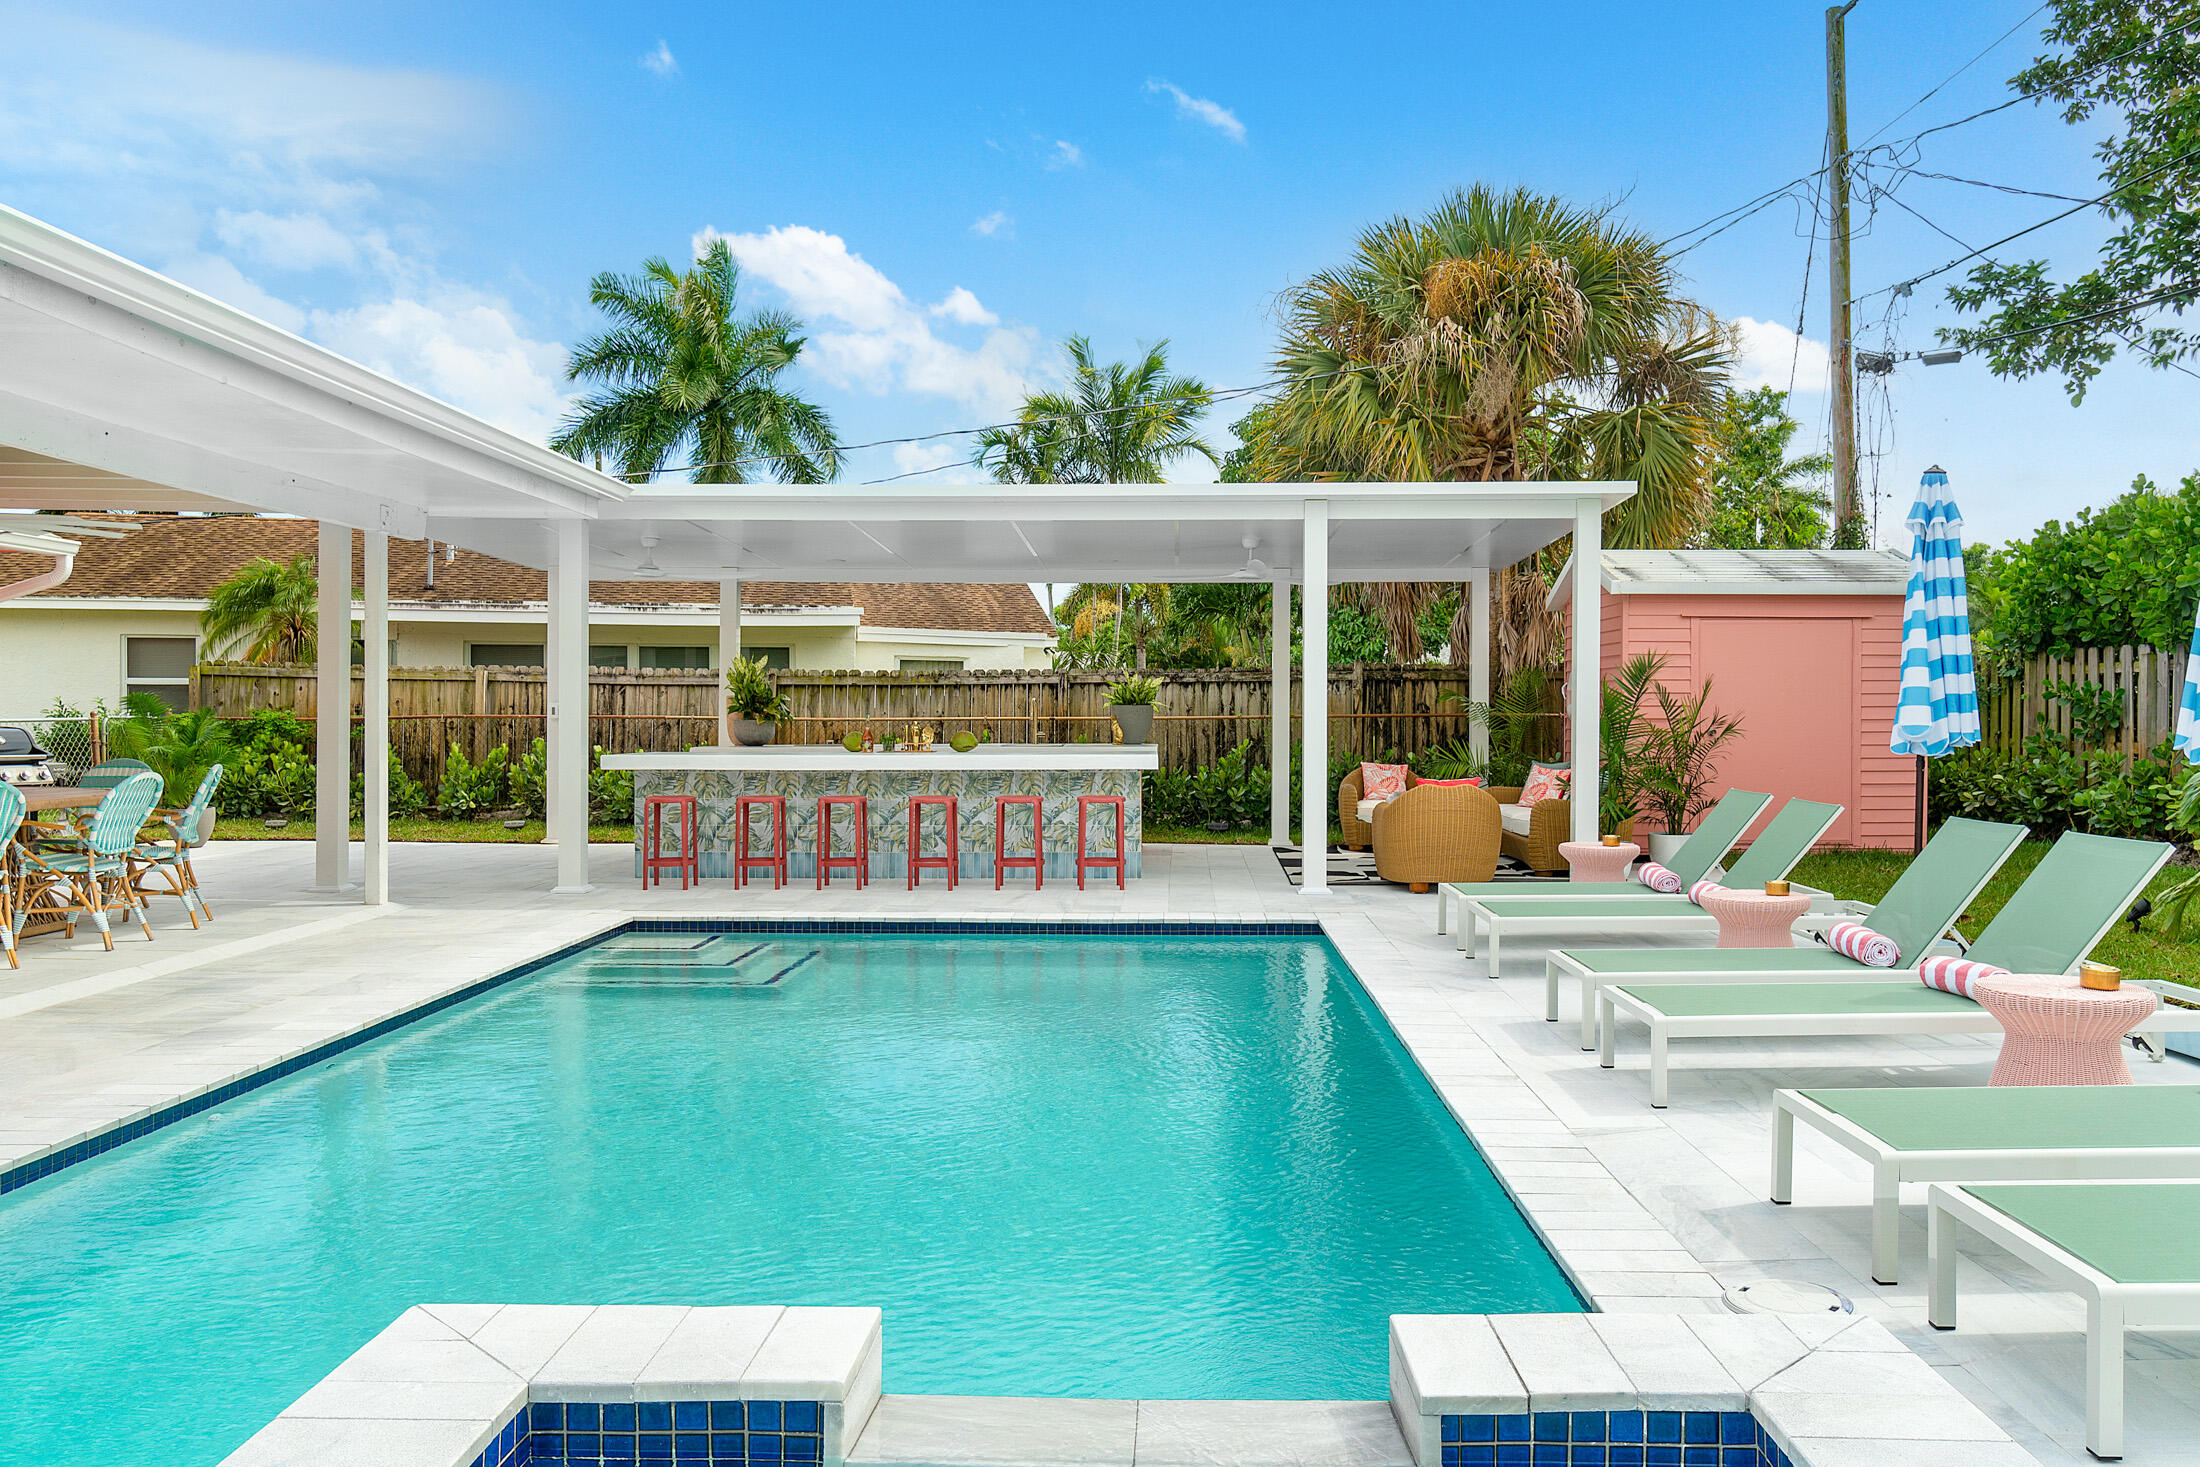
2055,1032
1593,860
1749,918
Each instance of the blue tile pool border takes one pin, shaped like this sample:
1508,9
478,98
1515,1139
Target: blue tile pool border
40,1167
1610,1439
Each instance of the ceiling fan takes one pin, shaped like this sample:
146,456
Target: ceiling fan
1253,570
649,570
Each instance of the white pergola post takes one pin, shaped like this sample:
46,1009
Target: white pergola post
729,647
1587,653
375,753
332,714
1279,712
1315,794
550,666
1478,657
569,712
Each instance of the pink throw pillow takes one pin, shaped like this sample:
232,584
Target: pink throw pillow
1382,781
1545,783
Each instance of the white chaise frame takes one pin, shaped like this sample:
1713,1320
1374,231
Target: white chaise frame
2111,1308
1892,1166
1659,915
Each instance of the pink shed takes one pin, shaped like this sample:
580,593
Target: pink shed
1805,646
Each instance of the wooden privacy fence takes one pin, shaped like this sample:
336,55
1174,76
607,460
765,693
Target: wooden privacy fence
2149,680
1201,714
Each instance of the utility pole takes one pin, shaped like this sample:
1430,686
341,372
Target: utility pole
1848,519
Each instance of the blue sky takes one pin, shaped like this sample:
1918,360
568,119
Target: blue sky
944,192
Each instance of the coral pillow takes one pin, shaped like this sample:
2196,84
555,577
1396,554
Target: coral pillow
1656,877
1382,781
1703,889
1545,782
1956,975
1855,940
1445,784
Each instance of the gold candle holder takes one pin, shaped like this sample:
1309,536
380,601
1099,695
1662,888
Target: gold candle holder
1611,840
1776,888
2100,975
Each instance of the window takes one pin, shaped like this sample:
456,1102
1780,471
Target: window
929,664
614,658
670,657
504,654
775,658
160,666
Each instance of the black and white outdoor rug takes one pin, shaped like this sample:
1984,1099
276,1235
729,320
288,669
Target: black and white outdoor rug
1357,868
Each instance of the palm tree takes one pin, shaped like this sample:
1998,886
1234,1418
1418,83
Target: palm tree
1504,336
1136,610
683,375
1123,423
270,609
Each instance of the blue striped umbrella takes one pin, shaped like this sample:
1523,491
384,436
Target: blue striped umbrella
1938,707
2188,712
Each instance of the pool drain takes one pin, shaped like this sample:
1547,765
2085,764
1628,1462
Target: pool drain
1786,1296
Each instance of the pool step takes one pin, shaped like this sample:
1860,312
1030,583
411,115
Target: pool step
1032,1431
691,960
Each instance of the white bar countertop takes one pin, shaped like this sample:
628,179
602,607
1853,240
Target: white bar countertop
795,758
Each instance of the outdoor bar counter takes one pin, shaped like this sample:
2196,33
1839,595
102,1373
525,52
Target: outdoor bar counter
1056,773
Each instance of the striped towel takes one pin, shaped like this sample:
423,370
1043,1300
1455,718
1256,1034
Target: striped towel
1702,889
1855,940
1956,975
1656,877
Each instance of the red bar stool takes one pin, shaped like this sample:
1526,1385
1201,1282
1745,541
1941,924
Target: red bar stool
744,855
1099,863
858,860
951,863
1002,860
654,858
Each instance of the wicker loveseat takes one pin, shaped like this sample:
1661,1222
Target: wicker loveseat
1437,832
1550,822
1358,834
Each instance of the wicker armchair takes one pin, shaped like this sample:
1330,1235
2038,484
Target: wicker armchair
1436,832
1549,823
1358,834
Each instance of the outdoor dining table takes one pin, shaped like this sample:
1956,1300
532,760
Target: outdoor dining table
38,797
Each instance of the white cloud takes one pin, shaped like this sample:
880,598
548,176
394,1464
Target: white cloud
1765,352
461,346
1200,109
963,308
220,278
866,334
1065,155
297,241
992,224
915,458
661,60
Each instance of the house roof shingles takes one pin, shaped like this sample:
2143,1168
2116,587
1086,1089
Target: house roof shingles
184,557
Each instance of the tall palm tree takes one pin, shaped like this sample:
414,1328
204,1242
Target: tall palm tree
683,375
1503,336
269,611
1123,423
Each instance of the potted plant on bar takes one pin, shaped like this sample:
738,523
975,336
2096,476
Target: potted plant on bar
754,704
1131,700
1678,761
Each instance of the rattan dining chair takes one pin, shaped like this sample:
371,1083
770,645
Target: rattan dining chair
94,879
169,855
12,810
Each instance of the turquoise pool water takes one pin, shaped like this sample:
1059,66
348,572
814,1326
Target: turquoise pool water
1104,1166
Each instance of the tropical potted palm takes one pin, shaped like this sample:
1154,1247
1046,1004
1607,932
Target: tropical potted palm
1679,760
754,704
1131,700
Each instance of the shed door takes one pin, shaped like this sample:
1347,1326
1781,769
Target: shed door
1792,682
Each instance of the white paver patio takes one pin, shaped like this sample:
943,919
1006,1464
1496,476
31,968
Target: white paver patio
1650,1210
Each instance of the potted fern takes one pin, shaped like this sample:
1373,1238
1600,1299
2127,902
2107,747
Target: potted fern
1131,700
754,704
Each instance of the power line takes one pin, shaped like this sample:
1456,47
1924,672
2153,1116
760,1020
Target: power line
1951,76
2112,309
1982,183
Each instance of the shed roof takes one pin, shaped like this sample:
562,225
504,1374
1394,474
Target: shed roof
1756,572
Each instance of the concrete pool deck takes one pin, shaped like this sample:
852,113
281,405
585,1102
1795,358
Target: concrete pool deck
1649,1210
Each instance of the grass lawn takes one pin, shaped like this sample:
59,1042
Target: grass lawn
491,831
1866,875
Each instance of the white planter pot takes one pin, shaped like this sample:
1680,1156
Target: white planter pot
1663,848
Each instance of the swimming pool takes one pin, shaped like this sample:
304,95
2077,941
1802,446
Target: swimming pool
1084,1165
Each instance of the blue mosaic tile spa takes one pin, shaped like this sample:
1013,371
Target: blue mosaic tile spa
1610,1439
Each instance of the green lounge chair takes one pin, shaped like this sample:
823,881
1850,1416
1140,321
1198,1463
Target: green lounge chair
1714,836
2064,907
1989,1134
1643,912
2124,1247
1921,906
